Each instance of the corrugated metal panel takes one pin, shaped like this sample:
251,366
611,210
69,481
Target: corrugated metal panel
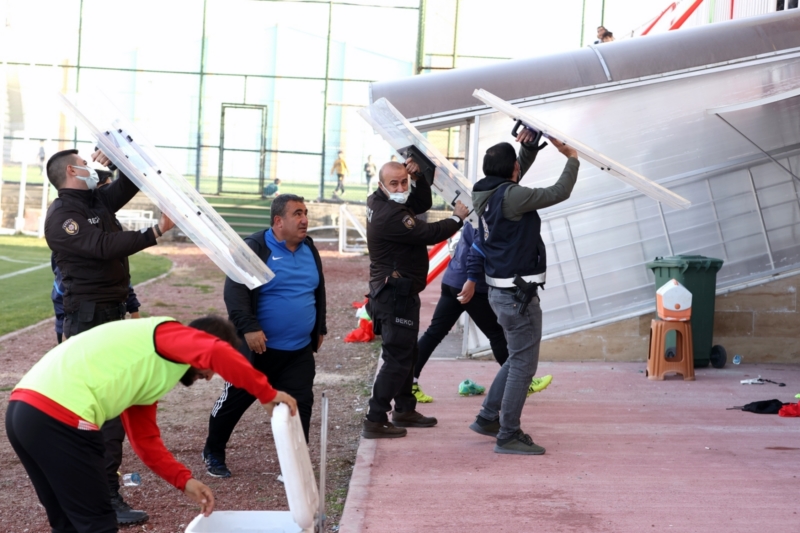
630,59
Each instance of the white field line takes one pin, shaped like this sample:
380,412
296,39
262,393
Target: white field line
25,270
10,260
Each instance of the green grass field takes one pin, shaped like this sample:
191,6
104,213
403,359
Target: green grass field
25,297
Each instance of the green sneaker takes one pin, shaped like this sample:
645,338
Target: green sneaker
539,384
419,395
470,388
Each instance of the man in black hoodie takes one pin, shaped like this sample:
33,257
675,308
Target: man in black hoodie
510,239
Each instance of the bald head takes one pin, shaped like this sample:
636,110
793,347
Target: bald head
392,168
394,177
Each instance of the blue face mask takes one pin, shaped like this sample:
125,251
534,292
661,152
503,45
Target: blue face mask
91,180
399,197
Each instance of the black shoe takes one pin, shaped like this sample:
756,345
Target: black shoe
485,427
126,515
381,430
412,419
215,465
519,444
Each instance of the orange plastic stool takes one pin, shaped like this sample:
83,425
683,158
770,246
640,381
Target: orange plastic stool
683,363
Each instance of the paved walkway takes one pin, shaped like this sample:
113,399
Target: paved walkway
624,454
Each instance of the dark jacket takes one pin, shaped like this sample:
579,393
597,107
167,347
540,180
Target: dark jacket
398,241
89,245
242,303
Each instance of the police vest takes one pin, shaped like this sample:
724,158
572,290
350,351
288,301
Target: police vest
511,247
103,371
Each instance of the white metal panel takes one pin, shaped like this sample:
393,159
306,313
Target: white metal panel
616,169
138,159
448,181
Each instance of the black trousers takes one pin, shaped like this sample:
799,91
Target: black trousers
399,353
339,183
446,314
289,371
67,468
113,431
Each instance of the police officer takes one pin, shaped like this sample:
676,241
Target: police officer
510,238
397,243
91,250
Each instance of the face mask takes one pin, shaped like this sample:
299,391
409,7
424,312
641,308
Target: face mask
91,180
399,197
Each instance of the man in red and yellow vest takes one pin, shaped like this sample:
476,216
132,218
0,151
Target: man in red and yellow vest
120,368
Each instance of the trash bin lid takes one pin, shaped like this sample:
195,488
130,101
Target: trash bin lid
684,262
298,475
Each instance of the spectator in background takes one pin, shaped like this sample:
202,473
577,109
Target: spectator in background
41,156
607,37
393,159
601,30
272,188
369,171
340,168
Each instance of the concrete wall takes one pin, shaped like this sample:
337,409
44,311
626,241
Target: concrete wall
762,324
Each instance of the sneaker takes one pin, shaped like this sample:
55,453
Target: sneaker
381,430
215,466
126,515
419,395
470,388
412,419
485,427
539,384
519,444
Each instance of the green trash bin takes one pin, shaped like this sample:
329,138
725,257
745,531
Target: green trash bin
699,275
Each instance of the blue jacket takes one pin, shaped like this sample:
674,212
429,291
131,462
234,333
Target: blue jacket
467,262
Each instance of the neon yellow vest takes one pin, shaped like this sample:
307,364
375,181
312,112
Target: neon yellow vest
103,371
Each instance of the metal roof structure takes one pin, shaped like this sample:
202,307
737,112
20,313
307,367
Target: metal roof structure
712,113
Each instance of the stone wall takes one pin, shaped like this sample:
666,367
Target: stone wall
762,324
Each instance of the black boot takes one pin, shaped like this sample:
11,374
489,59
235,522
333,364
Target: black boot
126,515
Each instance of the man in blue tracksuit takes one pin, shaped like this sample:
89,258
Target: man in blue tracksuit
510,237
282,323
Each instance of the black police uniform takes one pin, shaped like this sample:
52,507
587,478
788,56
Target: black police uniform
398,253
91,250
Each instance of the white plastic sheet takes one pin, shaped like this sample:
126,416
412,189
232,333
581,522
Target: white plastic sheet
399,133
138,159
619,171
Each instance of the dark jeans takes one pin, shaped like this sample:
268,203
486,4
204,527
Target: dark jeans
113,431
446,314
289,371
67,468
399,353
509,389
340,183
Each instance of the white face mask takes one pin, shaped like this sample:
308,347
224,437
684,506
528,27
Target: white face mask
91,180
399,197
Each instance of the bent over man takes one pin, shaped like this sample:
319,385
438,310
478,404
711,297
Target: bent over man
397,243
510,238
282,323
91,250
121,368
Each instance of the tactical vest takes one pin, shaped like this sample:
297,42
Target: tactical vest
511,247
103,371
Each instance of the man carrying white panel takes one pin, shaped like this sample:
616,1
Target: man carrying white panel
509,236
91,250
